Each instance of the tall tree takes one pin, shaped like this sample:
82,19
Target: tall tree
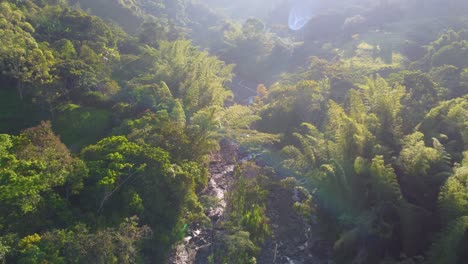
385,102
22,57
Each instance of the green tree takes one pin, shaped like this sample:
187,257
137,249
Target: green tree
425,169
384,102
79,245
159,130
350,138
248,46
288,106
143,93
447,123
178,114
22,57
128,178
40,144
193,76
154,31
66,49
422,94
453,198
203,132
38,176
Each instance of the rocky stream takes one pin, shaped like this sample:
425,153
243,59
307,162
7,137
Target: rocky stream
293,239
197,247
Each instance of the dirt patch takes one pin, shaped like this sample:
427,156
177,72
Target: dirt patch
294,239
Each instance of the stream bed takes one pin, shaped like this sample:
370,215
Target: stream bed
197,247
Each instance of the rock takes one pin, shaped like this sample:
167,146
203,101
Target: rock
205,248
197,248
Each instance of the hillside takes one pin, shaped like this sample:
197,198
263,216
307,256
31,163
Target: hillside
234,132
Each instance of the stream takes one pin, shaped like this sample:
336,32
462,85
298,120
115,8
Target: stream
197,247
294,240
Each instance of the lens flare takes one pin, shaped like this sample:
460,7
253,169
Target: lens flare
300,14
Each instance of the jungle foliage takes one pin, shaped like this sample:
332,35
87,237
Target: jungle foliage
109,111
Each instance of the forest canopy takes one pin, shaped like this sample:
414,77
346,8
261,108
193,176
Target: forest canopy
286,131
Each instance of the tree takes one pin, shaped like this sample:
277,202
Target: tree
313,145
38,176
40,144
384,102
178,114
144,94
154,31
248,47
351,139
453,198
422,94
66,49
385,182
22,57
21,182
79,244
288,106
193,76
447,123
129,178
202,132
160,130
425,169
237,248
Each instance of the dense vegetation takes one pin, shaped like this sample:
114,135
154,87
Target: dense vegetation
109,111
